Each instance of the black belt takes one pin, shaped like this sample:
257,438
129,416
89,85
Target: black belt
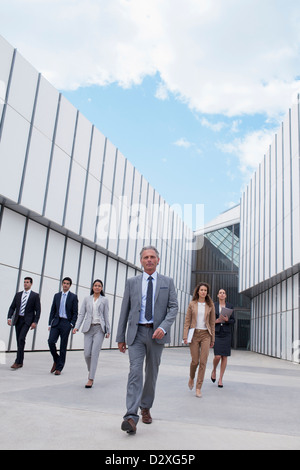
147,325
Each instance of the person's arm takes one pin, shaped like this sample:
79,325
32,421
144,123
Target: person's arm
125,309
172,310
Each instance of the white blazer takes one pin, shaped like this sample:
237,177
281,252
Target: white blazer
86,314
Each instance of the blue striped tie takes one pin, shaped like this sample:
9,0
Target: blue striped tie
23,304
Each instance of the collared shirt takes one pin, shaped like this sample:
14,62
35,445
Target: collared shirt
96,314
144,295
62,307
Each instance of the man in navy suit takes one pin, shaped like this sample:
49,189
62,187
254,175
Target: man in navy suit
62,319
24,314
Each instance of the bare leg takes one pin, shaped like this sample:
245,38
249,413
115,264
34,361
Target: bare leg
222,369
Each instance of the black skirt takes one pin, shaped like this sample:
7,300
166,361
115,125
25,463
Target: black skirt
222,345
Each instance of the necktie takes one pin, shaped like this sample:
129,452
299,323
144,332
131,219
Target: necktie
23,304
62,309
148,310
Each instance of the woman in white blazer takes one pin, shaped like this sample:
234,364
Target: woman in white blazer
94,316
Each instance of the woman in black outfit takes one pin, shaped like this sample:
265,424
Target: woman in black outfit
222,348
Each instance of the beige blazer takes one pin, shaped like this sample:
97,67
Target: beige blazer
191,319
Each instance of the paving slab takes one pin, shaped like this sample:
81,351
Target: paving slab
258,408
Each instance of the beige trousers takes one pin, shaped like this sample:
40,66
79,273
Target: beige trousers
199,348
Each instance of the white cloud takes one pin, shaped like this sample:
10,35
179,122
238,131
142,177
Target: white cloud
183,142
226,57
216,127
249,149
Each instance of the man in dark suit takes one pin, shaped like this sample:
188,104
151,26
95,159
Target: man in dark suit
149,308
24,314
62,319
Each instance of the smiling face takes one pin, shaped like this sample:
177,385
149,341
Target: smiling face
97,287
202,292
149,261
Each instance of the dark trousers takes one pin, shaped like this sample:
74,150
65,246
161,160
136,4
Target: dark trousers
21,333
62,330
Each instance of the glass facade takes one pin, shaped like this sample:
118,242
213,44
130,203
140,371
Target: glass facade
217,263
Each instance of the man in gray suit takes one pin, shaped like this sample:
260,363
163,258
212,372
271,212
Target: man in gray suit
149,309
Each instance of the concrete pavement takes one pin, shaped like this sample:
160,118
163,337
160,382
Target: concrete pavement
258,408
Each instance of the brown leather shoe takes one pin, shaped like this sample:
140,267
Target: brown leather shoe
16,366
146,417
57,372
53,368
129,426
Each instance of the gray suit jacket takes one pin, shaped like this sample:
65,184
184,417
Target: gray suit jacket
86,314
165,308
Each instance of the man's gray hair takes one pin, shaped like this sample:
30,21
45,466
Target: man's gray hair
150,247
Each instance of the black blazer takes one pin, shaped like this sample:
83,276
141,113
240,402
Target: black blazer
71,309
226,326
32,310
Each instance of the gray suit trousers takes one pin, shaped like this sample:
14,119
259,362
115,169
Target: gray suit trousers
93,340
141,394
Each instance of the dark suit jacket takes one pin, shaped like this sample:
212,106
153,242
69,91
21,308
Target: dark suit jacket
71,309
32,310
226,326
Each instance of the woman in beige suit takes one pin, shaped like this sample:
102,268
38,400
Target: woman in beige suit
94,313
200,316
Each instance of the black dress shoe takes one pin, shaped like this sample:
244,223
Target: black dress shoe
129,426
213,380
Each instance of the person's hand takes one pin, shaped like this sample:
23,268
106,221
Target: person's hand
212,344
158,334
9,322
122,347
33,326
107,335
75,331
185,341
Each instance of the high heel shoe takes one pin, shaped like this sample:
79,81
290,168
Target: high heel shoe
211,378
89,385
191,384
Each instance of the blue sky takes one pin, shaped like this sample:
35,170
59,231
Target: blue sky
190,91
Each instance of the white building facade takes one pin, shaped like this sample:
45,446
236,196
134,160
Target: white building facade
72,205
270,245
